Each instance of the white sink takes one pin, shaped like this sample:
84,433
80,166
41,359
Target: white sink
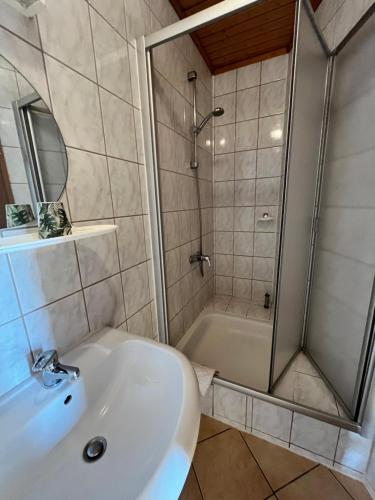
142,397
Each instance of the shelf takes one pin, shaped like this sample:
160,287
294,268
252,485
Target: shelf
266,219
29,241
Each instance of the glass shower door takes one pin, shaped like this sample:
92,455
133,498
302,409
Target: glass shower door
303,152
340,315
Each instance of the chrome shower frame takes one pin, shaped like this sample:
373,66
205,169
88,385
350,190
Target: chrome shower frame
145,44
192,77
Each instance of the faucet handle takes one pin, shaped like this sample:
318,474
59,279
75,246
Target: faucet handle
44,360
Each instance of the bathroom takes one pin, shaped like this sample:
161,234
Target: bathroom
214,228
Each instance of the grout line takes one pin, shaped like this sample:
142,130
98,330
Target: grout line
337,445
291,428
82,289
340,483
297,478
256,461
196,478
216,434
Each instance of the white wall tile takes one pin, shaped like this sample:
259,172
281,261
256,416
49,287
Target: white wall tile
243,243
246,135
105,303
353,450
98,258
141,323
23,56
61,325
131,241
117,117
224,139
72,46
229,404
271,419
245,165
112,59
271,131
113,11
76,107
315,436
125,187
225,83
224,167
9,308
136,288
207,402
15,356
45,275
248,76
272,98
88,186
274,69
247,105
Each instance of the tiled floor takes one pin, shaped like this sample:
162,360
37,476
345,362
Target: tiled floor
231,465
302,384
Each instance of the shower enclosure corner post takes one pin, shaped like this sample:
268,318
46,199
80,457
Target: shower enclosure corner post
144,61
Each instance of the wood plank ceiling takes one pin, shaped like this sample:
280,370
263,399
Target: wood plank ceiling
262,31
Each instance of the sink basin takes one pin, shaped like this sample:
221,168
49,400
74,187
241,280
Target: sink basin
140,396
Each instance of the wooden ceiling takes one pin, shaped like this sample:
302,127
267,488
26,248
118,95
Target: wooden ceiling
262,31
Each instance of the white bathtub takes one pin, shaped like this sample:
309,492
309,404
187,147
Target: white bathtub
238,348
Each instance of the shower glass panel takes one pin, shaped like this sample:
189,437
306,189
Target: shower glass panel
337,335
305,129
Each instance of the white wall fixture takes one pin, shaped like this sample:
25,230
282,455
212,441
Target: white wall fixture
28,8
31,240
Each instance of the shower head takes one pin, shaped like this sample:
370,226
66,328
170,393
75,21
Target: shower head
216,112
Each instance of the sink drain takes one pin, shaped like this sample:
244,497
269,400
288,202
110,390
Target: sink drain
94,449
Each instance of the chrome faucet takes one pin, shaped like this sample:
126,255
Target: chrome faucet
53,372
200,258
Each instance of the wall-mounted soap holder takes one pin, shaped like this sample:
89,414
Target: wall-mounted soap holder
266,218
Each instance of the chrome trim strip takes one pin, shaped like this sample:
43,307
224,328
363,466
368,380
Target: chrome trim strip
151,164
196,21
318,193
289,121
283,403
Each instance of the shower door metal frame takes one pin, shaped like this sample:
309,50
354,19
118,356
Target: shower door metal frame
300,4
144,45
366,365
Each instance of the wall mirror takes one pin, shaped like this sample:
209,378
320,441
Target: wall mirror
33,159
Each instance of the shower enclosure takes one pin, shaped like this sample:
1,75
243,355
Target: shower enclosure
321,294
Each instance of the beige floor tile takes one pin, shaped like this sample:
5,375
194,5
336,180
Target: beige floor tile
316,484
226,469
356,489
191,489
209,427
279,465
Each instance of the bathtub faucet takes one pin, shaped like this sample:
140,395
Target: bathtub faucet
197,257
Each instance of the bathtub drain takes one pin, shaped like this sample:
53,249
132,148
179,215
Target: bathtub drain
94,449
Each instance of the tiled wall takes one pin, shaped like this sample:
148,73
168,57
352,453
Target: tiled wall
187,290
323,442
337,17
248,162
80,57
